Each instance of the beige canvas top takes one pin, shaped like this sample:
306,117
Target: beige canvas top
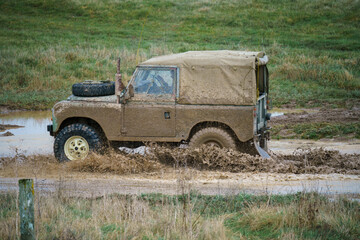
214,77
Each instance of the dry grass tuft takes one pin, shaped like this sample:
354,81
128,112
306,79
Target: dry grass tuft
310,213
114,217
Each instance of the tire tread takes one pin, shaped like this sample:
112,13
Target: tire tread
93,89
94,139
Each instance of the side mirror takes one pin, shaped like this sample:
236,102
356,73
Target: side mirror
126,94
122,96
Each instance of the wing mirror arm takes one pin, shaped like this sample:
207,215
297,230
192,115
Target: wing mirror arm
131,91
126,94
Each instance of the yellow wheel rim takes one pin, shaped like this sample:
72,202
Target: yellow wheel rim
76,148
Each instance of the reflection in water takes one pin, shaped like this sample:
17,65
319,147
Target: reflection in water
32,138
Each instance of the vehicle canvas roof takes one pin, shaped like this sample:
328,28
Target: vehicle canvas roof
214,77
203,58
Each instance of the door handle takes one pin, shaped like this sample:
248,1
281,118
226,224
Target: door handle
167,115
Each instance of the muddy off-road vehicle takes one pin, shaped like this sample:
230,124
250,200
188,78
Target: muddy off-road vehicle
207,97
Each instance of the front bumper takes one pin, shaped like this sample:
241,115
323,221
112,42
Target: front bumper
50,129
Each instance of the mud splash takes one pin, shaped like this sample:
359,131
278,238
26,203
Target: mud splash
301,161
159,158
116,163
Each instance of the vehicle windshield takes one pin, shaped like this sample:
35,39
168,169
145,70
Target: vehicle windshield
154,81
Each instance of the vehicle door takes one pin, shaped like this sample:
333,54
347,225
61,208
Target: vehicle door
151,111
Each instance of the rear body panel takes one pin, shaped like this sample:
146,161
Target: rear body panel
238,118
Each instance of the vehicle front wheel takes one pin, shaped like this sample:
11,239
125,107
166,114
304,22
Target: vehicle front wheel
76,141
213,136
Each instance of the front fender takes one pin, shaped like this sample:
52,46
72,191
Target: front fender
107,115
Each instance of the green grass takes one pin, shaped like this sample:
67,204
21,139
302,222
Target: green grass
47,45
317,131
308,216
188,216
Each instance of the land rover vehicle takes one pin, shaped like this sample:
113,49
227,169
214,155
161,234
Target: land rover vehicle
197,97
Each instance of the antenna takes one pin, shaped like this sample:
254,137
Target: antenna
118,66
142,30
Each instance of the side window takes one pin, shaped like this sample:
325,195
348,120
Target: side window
155,81
262,79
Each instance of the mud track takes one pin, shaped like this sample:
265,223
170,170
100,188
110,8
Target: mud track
171,171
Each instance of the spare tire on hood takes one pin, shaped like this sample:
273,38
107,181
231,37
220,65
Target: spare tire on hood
93,88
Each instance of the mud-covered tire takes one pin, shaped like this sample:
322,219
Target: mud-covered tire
93,89
95,141
213,136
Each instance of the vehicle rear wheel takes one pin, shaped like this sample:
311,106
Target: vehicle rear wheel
213,136
76,141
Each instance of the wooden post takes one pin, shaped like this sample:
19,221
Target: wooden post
26,208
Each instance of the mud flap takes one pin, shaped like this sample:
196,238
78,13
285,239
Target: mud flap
260,151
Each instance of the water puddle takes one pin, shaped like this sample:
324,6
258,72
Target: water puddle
287,146
32,138
283,111
276,112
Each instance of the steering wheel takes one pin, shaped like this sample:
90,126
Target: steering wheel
164,86
151,83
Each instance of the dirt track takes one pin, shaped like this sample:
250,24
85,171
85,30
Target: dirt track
210,183
158,172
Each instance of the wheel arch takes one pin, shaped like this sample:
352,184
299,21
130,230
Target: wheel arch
83,120
206,124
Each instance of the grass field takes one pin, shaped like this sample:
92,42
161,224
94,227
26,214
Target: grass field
187,216
47,45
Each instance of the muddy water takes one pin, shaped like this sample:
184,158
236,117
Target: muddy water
32,138
287,146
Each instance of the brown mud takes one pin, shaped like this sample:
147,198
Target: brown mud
169,172
6,134
301,161
160,159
